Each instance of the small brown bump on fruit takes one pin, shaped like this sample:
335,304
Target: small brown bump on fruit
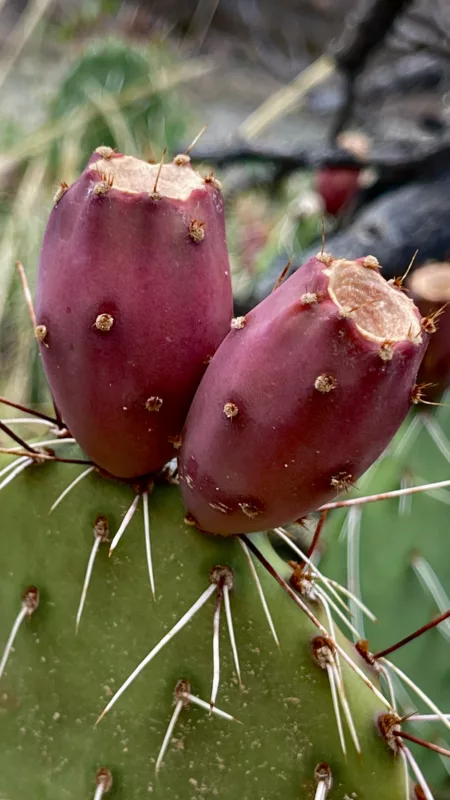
104,779
418,393
308,299
207,360
189,519
60,192
371,262
389,726
105,152
386,351
342,481
325,383
428,325
237,323
104,322
30,599
197,230
230,410
325,258
40,332
101,528
250,510
221,575
181,160
176,441
104,185
211,178
154,403
419,793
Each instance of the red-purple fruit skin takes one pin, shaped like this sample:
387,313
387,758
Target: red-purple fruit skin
277,459
132,257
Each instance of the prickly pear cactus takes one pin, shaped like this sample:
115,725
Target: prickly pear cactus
278,721
395,555
143,655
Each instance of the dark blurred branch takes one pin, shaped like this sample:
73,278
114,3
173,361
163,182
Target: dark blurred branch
394,161
361,37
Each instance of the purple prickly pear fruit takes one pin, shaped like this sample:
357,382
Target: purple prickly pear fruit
301,397
430,289
133,298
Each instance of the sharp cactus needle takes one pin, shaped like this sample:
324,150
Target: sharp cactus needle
337,610
417,772
18,468
69,488
356,600
295,597
418,692
197,701
322,774
321,791
227,604
13,464
387,677
283,535
87,579
426,717
437,434
100,535
260,592
216,650
331,671
103,781
168,636
338,677
170,729
375,498
27,293
30,422
20,407
353,565
432,584
124,524
30,601
148,548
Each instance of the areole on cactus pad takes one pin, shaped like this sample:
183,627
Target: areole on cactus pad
133,298
301,397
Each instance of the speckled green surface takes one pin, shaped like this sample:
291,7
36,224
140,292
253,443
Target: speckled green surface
57,683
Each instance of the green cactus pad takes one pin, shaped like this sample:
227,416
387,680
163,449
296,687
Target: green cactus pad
56,683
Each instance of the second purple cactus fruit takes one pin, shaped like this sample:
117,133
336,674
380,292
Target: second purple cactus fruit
301,397
133,298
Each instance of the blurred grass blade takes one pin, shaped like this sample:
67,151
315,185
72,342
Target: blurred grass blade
21,34
288,98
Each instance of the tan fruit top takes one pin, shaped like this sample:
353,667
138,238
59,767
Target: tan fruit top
381,311
432,282
131,175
